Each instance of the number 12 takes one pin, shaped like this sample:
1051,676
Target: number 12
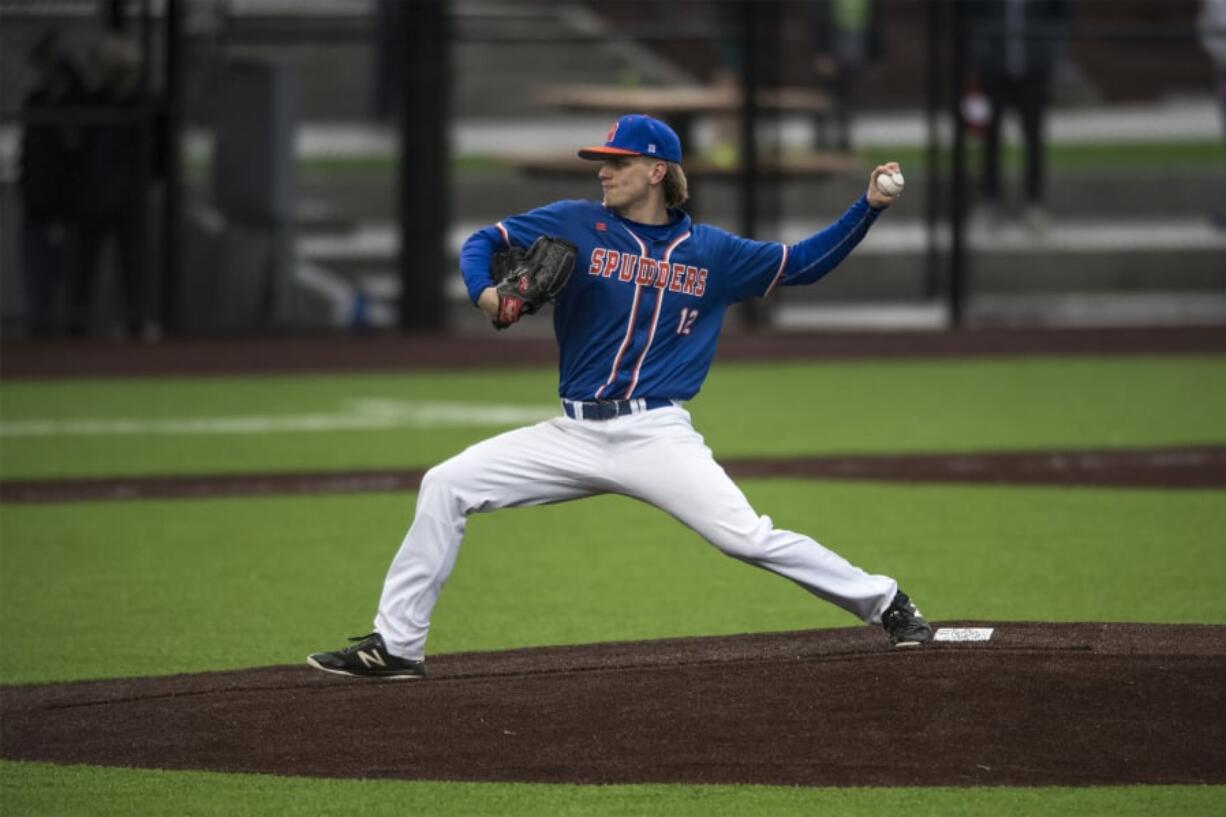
688,316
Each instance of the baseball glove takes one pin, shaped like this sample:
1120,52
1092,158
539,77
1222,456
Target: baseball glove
526,280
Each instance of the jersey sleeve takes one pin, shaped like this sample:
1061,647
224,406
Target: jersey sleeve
810,259
754,264
514,231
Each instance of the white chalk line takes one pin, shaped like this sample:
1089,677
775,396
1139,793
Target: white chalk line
964,634
365,414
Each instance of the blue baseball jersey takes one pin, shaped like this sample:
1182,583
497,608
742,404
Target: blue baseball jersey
642,312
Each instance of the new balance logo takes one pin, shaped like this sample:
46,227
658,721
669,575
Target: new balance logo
369,659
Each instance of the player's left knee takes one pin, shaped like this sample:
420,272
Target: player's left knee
441,489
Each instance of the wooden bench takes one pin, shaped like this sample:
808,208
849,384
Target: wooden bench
679,105
674,101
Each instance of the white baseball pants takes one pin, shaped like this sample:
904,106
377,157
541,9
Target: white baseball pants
655,456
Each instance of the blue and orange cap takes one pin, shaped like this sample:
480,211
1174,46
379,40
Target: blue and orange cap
637,134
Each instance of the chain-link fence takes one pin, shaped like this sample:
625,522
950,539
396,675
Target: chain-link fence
261,165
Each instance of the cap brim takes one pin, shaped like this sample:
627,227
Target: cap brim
602,152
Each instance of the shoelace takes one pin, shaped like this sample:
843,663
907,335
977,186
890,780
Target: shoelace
361,642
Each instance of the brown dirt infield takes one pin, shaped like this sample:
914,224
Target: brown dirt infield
1186,467
1039,704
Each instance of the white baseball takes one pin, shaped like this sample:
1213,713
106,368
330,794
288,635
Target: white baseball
890,183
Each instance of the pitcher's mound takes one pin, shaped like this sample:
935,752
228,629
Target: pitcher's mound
1003,703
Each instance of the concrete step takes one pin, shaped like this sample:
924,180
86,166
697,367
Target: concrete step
1067,310
363,196
1067,255
1074,272
1098,309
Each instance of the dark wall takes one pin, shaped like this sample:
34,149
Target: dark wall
1123,50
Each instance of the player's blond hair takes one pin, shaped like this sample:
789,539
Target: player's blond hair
676,187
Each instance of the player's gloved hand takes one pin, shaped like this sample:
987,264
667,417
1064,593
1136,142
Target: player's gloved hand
509,311
527,280
506,309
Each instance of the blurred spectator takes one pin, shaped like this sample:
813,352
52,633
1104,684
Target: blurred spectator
111,204
50,152
845,37
1014,48
1212,25
203,47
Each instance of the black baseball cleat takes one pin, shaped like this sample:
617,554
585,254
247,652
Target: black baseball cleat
367,657
904,624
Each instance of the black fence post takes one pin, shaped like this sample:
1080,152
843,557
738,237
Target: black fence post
934,170
170,160
957,215
423,26
748,177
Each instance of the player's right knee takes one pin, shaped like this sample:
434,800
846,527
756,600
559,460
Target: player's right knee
746,542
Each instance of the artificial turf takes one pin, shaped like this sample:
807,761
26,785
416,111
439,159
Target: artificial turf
61,791
155,587
257,423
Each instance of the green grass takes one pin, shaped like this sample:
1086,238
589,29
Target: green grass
965,405
1136,157
30,788
230,397
152,587
156,587
744,410
473,164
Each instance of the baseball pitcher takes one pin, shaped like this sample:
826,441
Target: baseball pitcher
639,294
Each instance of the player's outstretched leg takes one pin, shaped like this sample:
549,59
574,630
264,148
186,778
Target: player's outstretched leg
699,493
547,462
